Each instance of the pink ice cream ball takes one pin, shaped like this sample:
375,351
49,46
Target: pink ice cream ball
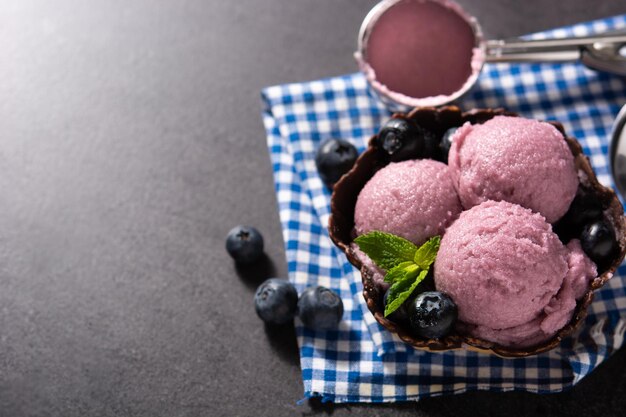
556,314
413,199
512,279
523,161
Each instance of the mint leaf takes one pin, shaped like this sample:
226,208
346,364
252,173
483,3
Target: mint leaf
399,271
426,254
385,249
402,289
405,264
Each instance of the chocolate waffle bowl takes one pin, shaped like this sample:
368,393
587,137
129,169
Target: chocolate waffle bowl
438,120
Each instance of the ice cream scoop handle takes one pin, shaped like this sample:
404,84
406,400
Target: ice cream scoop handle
605,52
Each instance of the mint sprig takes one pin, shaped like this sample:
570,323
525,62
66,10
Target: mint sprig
405,264
399,271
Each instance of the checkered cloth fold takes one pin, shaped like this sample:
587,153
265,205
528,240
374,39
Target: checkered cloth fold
361,361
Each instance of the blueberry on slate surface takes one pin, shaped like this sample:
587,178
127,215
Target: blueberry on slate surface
334,158
446,143
599,242
276,301
585,209
244,244
401,139
432,314
320,308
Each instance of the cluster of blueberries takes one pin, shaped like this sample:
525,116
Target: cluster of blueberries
401,139
276,300
585,221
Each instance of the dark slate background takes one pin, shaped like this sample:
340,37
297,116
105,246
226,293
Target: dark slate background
130,142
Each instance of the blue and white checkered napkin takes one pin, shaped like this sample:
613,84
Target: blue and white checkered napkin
361,361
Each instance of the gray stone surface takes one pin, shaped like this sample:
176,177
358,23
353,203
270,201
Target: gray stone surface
130,142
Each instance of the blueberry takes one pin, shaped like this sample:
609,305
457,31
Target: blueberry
446,143
276,301
432,314
599,242
401,139
244,244
334,158
401,314
586,208
320,308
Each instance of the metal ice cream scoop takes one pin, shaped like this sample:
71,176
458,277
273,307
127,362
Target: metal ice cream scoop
617,152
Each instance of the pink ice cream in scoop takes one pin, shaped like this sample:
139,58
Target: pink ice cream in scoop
421,49
414,199
523,161
512,279
421,52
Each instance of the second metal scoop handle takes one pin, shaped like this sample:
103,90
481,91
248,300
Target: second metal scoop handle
598,52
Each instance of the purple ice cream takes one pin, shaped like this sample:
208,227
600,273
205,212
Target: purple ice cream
511,277
402,54
513,159
413,199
